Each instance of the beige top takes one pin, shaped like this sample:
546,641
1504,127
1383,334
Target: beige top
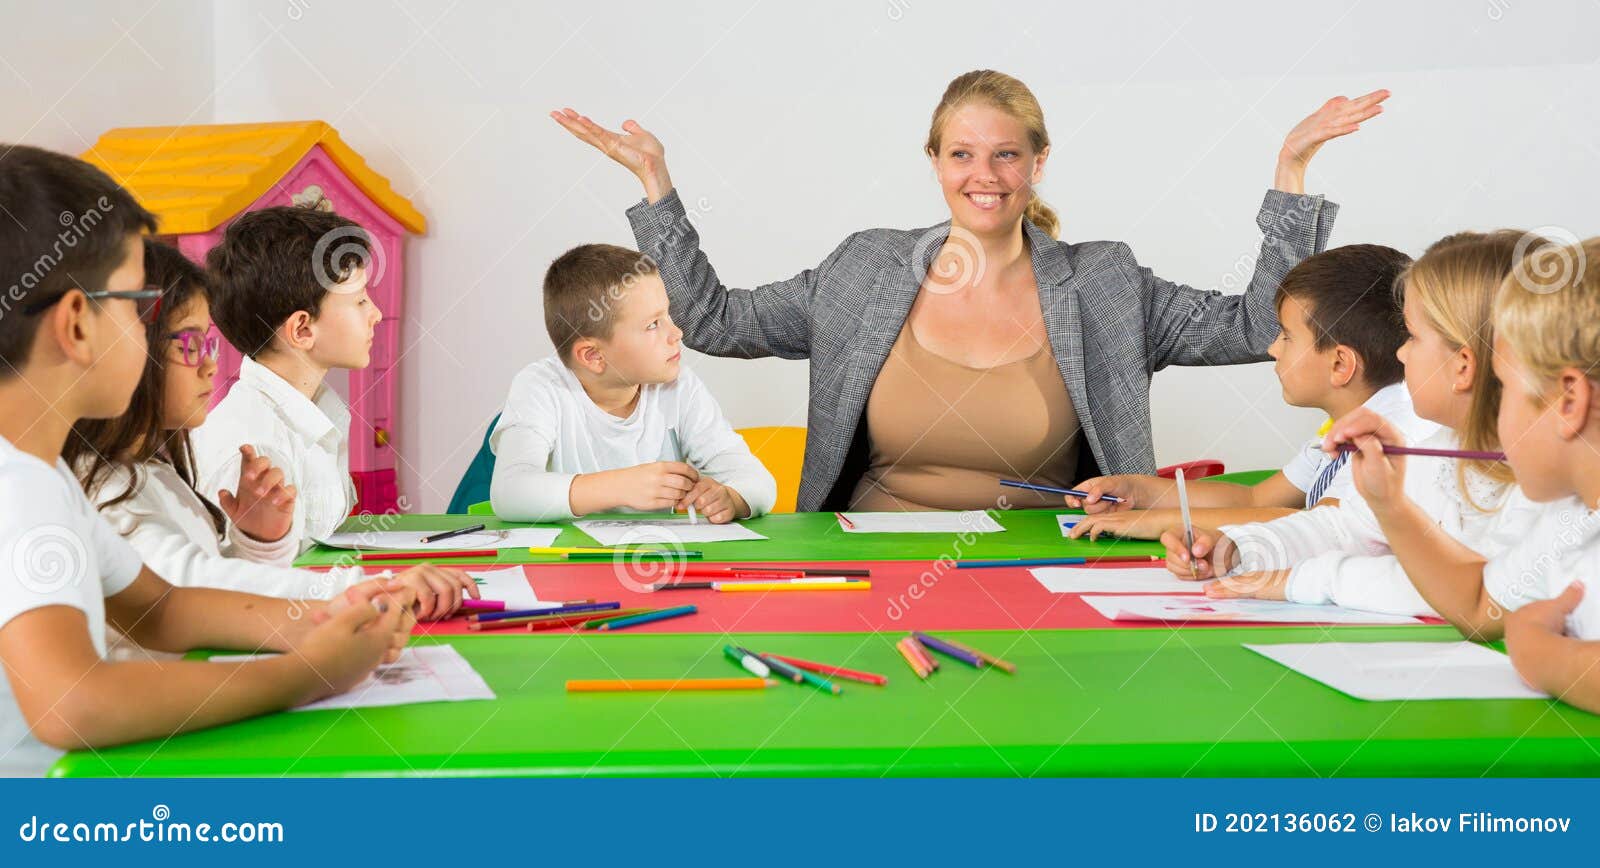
942,434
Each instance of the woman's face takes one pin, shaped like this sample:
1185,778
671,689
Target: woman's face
986,168
188,388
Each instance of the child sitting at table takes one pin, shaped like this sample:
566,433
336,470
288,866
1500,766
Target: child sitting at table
613,421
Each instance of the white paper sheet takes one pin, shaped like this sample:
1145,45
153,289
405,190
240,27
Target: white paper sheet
1199,608
971,521
411,540
509,585
1068,522
426,673
657,529
1385,671
1113,580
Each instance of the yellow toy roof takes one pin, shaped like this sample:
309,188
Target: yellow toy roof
196,177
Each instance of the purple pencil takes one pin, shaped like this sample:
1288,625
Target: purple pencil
949,650
1464,454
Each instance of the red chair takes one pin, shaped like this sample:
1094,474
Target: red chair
1199,469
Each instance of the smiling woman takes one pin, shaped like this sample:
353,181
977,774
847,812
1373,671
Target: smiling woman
947,357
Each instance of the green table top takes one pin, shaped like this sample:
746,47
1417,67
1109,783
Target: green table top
1136,702
801,536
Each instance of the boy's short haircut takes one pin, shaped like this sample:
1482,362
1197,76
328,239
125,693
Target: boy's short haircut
67,226
583,289
276,261
1348,293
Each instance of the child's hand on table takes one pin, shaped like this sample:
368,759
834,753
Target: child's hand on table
351,640
718,503
439,590
1262,585
1134,524
381,594
655,487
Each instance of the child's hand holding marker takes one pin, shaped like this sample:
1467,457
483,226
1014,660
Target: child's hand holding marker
439,590
1380,478
718,503
1214,554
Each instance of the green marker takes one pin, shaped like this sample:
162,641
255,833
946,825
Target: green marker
750,662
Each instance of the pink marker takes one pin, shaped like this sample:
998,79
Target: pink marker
471,605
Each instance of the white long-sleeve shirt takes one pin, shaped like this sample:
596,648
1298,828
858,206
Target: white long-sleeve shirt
1339,555
167,523
1564,545
1322,476
306,438
550,431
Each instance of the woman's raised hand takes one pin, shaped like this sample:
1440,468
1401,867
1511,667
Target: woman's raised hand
637,149
1339,116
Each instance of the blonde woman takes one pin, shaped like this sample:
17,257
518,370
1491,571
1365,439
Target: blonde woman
945,358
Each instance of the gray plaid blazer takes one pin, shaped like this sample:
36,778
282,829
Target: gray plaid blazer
1112,323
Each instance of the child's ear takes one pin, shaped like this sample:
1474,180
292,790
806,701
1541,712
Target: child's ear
298,332
1465,370
1575,401
70,325
1346,365
586,353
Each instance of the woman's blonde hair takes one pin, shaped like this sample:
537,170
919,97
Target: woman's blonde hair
1455,282
1012,97
1548,311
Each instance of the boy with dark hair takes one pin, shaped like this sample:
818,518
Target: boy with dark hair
291,294
1340,327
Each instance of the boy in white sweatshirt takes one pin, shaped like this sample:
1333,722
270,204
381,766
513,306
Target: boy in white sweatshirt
613,421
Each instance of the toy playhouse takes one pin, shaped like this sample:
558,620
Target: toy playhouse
198,178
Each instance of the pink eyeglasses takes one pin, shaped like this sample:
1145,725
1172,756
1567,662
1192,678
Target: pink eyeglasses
195,348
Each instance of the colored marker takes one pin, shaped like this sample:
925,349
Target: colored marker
927,659
782,669
749,661
825,669
647,617
632,553
1051,489
1188,524
470,605
460,531
542,622
845,520
608,685
912,660
1465,454
1058,562
949,650
767,572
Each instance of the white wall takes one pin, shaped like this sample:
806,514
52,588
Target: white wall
798,125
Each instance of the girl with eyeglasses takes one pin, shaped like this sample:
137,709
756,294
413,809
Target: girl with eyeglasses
139,469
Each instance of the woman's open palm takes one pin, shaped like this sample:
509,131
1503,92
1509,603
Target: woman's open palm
636,148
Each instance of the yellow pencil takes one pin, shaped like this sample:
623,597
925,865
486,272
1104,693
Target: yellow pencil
569,550
793,586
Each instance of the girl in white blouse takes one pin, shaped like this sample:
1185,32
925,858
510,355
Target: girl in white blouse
1339,554
139,470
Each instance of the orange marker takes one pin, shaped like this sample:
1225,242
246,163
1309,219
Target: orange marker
913,659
